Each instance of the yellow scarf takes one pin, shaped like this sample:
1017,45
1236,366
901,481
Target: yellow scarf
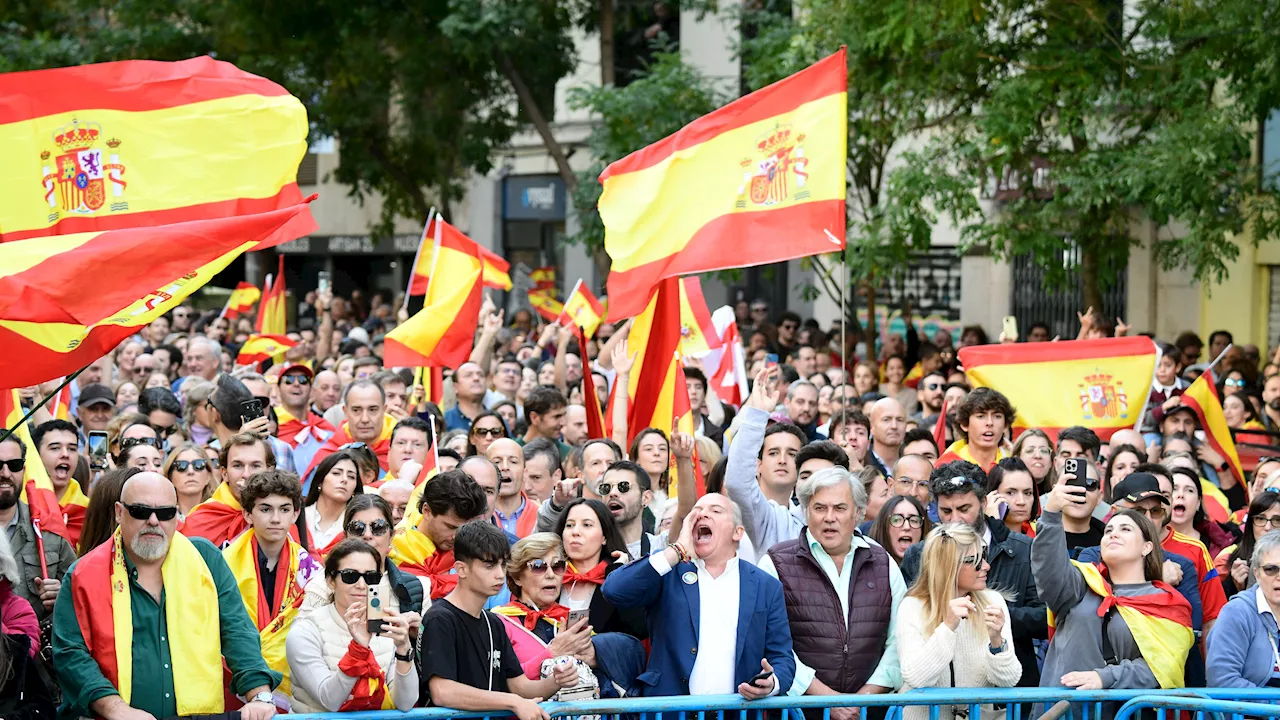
411,546
73,495
242,557
412,516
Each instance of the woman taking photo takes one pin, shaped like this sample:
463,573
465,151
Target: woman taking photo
1233,563
952,631
901,523
486,428
1012,496
1095,651
592,545
191,473
337,479
335,663
1036,452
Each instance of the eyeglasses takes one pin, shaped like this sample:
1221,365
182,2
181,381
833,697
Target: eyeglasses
295,380
1261,521
144,512
378,527
354,446
914,521
1156,514
1038,451
1229,382
165,431
906,483
15,465
932,386
213,463
624,487
199,465
1270,570
496,432
540,566
130,442
351,577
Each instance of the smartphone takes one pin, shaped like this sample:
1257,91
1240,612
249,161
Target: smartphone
375,613
322,283
1003,509
577,615
97,449
761,677
1078,474
250,409
1011,327
771,363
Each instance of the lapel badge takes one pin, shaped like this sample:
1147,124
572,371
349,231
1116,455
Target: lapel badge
689,578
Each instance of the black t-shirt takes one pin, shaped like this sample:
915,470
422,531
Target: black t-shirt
458,647
1078,541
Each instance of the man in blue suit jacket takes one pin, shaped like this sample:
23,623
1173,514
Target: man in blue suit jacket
718,625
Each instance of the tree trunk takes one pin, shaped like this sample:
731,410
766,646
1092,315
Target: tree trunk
1091,289
606,43
530,105
872,327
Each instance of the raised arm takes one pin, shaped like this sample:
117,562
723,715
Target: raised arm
623,361
686,483
740,473
1060,584
482,353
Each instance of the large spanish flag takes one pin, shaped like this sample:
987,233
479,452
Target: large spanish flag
141,143
1100,384
582,310
497,271
1202,396
442,332
760,180
53,322
272,315
241,300
37,489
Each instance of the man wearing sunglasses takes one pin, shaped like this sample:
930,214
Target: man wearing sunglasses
164,414
271,568
299,425
15,520
624,489
929,396
178,647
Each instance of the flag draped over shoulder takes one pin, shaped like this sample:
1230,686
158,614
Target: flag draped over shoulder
1202,396
1100,384
760,180
441,333
263,347
655,337
582,310
496,269
272,316
37,489
53,323
144,143
241,300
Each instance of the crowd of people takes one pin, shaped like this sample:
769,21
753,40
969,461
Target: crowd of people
323,536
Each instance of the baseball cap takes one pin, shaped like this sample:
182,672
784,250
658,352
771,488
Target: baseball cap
96,394
1180,408
1139,486
299,367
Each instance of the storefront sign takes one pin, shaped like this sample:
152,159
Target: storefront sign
533,197
352,245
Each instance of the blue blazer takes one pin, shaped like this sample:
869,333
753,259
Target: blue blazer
673,611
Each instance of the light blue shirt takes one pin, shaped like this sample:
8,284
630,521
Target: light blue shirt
887,673
767,522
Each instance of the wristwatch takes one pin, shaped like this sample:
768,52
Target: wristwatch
263,697
998,650
407,657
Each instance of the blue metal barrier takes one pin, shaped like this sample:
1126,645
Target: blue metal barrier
1083,704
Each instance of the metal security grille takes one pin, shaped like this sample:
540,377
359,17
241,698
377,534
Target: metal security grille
1032,301
931,281
1273,308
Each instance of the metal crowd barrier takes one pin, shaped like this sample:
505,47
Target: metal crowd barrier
1019,704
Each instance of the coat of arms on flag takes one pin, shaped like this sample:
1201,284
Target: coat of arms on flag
75,181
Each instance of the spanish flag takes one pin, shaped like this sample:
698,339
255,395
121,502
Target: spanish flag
53,322
259,348
1202,396
272,317
595,418
241,300
544,278
432,381
441,333
1160,623
655,337
37,490
582,310
273,620
687,424
1100,384
497,271
545,302
698,334
760,180
141,143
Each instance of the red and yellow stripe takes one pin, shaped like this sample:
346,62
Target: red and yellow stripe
655,338
259,348
144,143
1202,396
52,322
497,271
272,315
760,180
698,334
241,300
441,333
582,310
545,302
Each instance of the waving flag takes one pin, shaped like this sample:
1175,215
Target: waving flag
1202,396
591,401
59,406
544,278
497,271
432,381
53,322
582,310
729,378
698,334
441,333
272,316
144,143
685,422
1100,384
758,181
241,300
259,348
655,338
545,302
37,490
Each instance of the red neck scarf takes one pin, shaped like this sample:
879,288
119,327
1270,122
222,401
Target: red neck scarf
370,688
288,430
556,612
436,566
595,575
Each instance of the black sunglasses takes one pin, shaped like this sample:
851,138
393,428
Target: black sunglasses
295,380
14,465
184,465
624,487
131,442
540,566
351,577
488,432
144,512
377,527
1270,570
165,431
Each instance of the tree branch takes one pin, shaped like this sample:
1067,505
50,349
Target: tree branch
530,106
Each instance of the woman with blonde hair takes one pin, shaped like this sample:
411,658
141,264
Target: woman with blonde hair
191,473
196,394
952,630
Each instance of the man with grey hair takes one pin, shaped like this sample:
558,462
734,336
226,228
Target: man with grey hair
203,357
802,408
186,619
819,571
364,403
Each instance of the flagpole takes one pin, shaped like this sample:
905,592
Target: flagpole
1218,359
413,269
844,345
6,432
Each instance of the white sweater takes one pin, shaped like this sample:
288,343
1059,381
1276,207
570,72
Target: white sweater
927,659
317,642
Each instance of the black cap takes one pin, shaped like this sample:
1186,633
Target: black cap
1139,486
1180,408
96,394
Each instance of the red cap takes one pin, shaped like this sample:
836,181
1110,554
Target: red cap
297,366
